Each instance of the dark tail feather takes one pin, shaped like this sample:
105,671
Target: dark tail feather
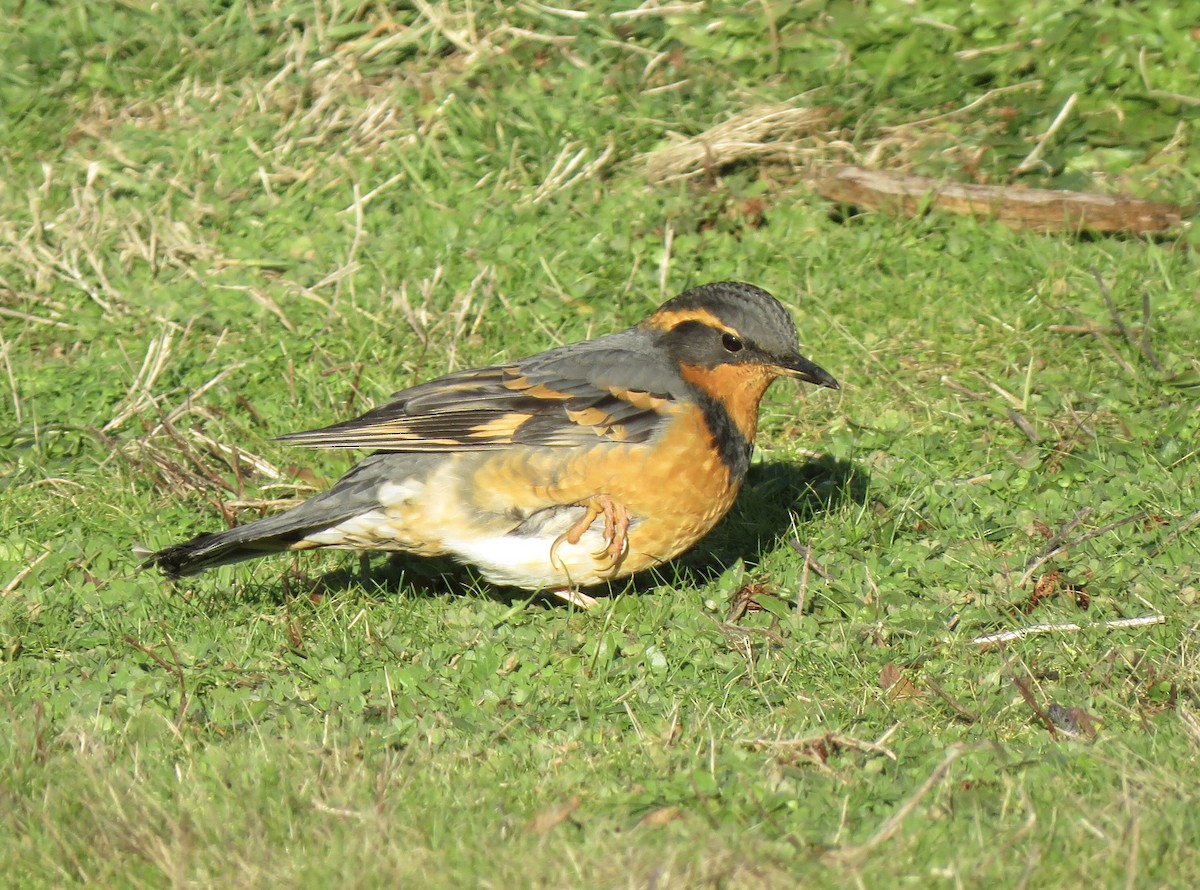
353,495
203,552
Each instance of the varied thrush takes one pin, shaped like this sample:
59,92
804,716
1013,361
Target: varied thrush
573,467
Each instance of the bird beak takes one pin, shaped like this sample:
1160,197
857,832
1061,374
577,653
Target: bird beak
800,368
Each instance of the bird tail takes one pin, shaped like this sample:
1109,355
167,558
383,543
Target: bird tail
355,494
207,551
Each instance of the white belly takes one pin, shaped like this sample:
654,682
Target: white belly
533,560
506,550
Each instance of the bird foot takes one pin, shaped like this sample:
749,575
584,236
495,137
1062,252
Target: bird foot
616,527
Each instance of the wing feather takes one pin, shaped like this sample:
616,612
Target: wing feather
537,402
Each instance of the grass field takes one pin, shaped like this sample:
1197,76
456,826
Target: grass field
222,222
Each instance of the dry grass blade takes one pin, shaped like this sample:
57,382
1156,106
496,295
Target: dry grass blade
264,300
138,398
1181,98
465,38
1026,86
32,319
24,573
772,132
654,8
237,457
193,397
1190,721
1033,158
5,349
568,169
821,744
483,281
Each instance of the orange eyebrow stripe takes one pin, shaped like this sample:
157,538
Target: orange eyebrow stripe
665,321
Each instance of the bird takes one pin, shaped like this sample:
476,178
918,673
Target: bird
574,467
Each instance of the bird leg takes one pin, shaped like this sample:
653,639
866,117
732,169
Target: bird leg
616,540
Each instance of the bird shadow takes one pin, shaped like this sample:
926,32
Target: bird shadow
776,496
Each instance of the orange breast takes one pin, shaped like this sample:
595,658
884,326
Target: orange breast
675,491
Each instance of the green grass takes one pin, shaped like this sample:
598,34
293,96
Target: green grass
221,223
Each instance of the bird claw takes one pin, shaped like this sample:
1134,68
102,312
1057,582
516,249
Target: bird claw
616,528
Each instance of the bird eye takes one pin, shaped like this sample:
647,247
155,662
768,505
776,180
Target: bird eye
731,343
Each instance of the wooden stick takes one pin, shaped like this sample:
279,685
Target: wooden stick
1039,210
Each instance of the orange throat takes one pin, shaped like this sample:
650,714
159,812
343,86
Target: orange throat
737,388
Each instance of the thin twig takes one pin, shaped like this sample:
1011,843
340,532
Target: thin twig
1095,533
1026,693
1108,347
1061,535
965,713
1023,425
805,550
1112,308
1170,539
175,669
1065,627
1062,548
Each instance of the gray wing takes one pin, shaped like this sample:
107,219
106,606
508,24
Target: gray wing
604,389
